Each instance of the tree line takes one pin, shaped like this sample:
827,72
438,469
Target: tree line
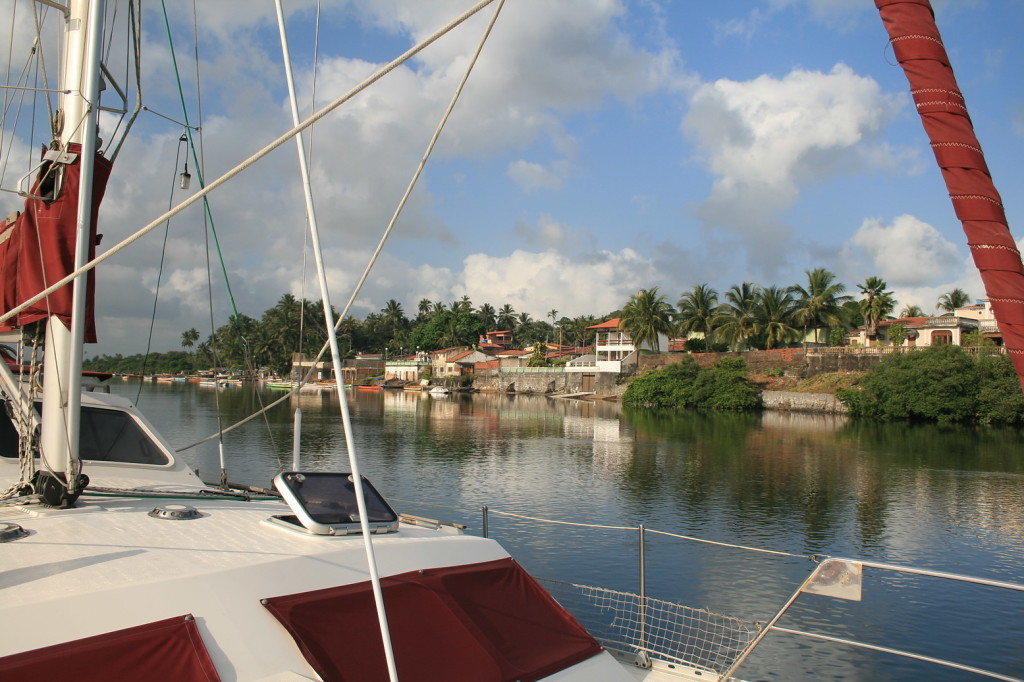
746,316
749,316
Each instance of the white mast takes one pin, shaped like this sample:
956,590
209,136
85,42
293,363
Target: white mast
62,369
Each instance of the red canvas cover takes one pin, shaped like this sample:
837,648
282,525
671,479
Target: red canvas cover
38,249
486,622
170,650
918,47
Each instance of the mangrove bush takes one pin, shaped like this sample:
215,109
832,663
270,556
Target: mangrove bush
941,384
686,384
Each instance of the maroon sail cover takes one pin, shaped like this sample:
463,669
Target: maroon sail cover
486,622
37,248
918,47
170,650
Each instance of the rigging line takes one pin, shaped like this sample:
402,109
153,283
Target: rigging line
346,417
245,164
160,270
19,90
412,183
42,66
168,118
423,161
7,80
309,162
135,21
195,158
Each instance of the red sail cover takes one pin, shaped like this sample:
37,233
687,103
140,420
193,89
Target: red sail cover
918,47
170,650
38,248
486,622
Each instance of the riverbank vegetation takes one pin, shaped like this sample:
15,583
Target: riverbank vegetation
686,384
940,384
748,316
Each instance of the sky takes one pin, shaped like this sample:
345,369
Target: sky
599,147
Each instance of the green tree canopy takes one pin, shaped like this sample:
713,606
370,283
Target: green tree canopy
646,315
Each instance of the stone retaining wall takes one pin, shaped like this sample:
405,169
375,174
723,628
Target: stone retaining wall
802,402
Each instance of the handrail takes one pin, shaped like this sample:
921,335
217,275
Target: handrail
638,616
841,578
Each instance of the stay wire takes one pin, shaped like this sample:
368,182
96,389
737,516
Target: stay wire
398,210
309,162
248,162
160,271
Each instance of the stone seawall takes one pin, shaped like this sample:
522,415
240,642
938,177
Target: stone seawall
601,383
802,402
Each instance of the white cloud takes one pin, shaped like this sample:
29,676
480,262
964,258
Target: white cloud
907,252
537,282
531,176
767,137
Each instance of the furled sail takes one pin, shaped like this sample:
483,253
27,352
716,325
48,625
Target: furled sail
918,47
37,245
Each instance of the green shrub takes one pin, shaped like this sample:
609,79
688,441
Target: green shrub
685,384
940,384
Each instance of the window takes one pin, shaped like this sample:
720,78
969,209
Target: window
942,338
105,436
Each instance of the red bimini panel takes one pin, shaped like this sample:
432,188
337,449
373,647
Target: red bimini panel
918,47
37,249
487,622
165,651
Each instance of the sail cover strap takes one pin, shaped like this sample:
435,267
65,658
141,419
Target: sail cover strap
37,248
918,47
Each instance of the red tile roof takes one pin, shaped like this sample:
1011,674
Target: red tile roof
610,324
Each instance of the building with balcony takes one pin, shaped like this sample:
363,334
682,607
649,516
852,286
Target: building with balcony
919,332
614,350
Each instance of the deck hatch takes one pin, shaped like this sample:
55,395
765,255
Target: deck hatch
324,503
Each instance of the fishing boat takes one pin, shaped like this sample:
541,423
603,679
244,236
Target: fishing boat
120,563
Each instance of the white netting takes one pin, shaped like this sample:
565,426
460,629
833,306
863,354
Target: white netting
665,630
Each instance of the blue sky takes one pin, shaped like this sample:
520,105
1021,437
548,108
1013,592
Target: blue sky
600,147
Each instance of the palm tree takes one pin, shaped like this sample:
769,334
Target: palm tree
774,315
646,315
189,338
876,305
576,332
393,323
506,317
424,307
820,304
957,298
696,311
736,319
487,316
911,311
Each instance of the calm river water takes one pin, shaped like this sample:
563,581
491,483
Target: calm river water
946,499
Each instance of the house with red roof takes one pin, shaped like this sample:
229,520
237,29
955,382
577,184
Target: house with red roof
496,341
918,331
614,350
454,362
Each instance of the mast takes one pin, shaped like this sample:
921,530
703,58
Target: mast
62,369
